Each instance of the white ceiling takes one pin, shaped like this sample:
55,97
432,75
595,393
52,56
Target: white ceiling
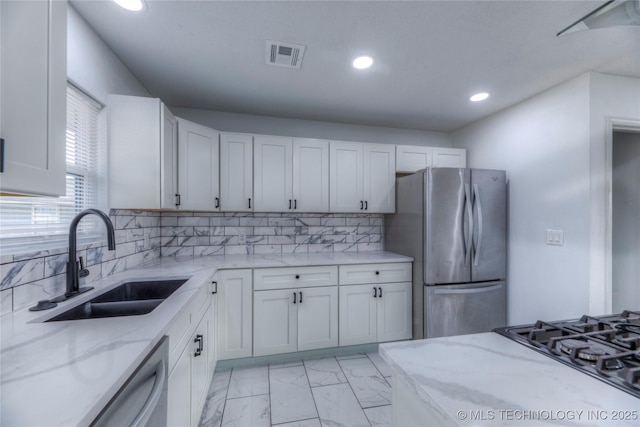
430,55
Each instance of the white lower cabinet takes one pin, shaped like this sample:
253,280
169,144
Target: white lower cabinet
189,379
235,312
289,320
375,313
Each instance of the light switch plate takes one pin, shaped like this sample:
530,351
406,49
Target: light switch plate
555,237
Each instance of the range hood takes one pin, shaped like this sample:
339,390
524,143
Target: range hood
614,13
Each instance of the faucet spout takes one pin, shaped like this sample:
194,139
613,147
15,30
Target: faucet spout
73,267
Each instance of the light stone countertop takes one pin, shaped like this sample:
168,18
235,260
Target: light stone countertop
488,380
64,373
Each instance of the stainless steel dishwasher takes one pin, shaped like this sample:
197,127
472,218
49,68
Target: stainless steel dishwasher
142,401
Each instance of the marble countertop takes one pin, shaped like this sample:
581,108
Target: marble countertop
488,380
64,373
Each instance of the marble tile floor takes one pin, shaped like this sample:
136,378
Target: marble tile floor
342,391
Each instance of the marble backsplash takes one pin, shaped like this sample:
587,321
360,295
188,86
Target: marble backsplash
142,236
29,277
198,234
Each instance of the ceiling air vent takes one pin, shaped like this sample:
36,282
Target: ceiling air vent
284,54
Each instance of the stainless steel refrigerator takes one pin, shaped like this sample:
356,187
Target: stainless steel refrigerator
453,222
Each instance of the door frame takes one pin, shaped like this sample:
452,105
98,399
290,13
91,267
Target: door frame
613,124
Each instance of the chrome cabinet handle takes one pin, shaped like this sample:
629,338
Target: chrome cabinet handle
215,290
154,397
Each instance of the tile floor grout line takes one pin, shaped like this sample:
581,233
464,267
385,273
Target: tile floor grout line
379,371
269,394
226,394
352,391
315,405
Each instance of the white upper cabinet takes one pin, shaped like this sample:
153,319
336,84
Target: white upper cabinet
272,173
346,177
142,147
236,172
33,71
362,177
410,159
291,175
379,178
310,175
449,157
198,160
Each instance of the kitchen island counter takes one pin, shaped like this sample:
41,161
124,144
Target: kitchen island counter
489,380
64,373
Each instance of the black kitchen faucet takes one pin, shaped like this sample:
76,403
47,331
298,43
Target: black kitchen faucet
75,268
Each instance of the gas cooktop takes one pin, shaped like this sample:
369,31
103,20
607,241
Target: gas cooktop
605,347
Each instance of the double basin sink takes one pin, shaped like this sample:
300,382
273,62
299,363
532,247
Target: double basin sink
127,299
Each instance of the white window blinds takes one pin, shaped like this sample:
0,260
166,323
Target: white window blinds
36,220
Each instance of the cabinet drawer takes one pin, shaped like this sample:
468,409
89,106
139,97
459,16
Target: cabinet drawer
375,273
294,277
183,327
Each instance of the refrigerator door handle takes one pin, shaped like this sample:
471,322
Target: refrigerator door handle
468,237
474,290
478,243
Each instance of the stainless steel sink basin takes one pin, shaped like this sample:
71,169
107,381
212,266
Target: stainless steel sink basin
128,299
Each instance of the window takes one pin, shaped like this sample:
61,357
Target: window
45,220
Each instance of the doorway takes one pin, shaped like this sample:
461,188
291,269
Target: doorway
625,221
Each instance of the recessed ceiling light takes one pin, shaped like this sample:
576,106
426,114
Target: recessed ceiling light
362,62
479,97
133,5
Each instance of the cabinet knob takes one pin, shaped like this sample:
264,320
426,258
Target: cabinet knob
377,273
297,276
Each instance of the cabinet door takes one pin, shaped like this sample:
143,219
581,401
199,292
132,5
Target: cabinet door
179,391
357,314
200,375
33,96
317,318
449,157
394,311
410,159
213,312
198,160
168,158
275,328
236,172
272,174
346,177
135,150
379,178
235,305
310,175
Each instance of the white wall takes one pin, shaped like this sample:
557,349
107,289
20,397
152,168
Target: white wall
247,123
626,221
543,144
93,66
613,98
555,151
